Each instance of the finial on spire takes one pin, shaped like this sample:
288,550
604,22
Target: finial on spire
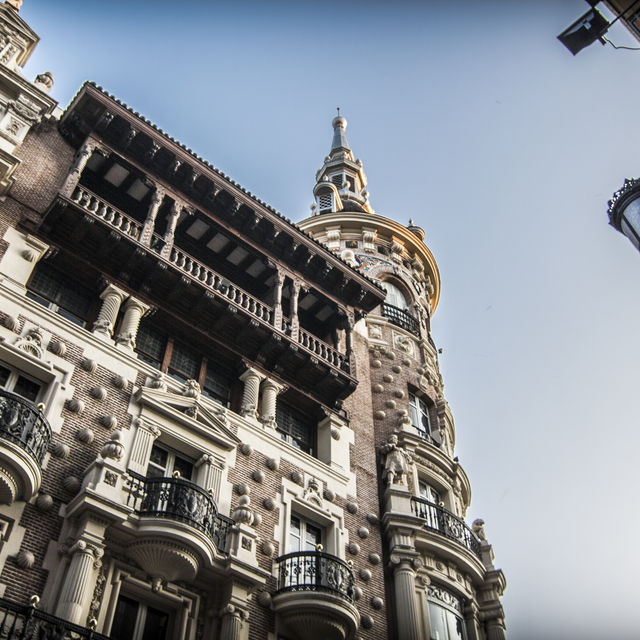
338,108
16,4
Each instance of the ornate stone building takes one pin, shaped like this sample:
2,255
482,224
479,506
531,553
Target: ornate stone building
214,423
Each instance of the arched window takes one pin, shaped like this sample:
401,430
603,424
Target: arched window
395,297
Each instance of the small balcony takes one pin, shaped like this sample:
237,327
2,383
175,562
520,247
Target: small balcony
18,622
401,318
444,523
314,599
179,500
24,439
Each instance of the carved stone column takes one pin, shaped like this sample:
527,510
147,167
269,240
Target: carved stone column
405,594
149,224
250,396
495,629
79,582
176,210
295,323
133,312
232,622
210,475
82,157
270,391
277,301
112,298
143,440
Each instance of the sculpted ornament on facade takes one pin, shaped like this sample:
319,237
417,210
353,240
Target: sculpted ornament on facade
403,343
31,342
397,461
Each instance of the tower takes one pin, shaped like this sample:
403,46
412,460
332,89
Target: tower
440,573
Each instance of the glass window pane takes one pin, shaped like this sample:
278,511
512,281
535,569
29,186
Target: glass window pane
124,619
313,537
394,297
185,362
151,344
437,622
27,388
158,456
216,385
4,375
294,535
155,625
184,467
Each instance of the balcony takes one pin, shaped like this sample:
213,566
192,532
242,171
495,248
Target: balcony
444,523
314,599
401,318
112,241
18,622
24,440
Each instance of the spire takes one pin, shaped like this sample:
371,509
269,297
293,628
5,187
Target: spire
341,182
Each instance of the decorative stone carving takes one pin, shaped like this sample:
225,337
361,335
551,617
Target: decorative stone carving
366,621
98,392
365,575
163,560
397,461
120,382
272,464
363,532
11,323
269,504
352,507
60,450
75,405
71,484
44,502
403,343
257,519
378,388
329,495
243,489
245,449
158,381
113,448
89,365
57,347
44,81
109,422
379,415
354,548
357,593
390,404
268,548
296,477
399,393
477,526
387,377
375,331
258,475
372,518
374,558
264,598
25,559
85,435
243,513
376,364
377,602
396,368
312,492
31,342
191,389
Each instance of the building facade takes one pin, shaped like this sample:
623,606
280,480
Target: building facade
214,423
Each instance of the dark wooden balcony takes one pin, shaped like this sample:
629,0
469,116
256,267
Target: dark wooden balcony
444,523
107,239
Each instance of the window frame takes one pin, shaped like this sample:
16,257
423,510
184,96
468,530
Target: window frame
170,466
287,434
451,612
416,412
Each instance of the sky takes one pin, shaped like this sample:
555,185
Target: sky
472,119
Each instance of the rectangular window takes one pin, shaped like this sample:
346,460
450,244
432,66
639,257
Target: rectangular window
420,416
303,536
296,428
163,463
185,363
54,290
150,345
134,620
16,382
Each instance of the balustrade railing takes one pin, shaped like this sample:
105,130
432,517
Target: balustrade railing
115,218
401,318
195,269
25,622
441,521
180,500
315,571
22,422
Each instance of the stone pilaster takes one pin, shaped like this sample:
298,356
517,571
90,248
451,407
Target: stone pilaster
79,583
407,612
251,393
143,440
112,298
133,312
210,475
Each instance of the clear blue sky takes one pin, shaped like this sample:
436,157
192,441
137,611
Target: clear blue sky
473,120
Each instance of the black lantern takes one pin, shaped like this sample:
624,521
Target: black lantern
624,211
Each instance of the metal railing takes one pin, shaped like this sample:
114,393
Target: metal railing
25,622
315,571
179,500
401,318
441,521
23,423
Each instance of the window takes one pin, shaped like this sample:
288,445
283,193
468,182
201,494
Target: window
428,492
163,463
420,416
154,347
54,290
296,428
303,536
395,296
445,614
429,511
16,382
135,620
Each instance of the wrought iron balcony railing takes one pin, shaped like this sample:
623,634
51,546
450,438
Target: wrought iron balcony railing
179,500
315,571
441,521
25,622
22,422
120,222
401,318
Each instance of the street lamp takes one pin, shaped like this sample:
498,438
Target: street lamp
624,211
